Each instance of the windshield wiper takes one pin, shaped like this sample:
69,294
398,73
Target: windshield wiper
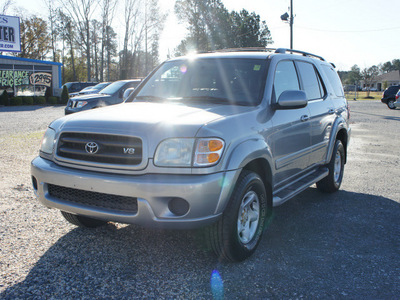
217,100
150,97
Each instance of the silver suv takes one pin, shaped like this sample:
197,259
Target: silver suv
212,140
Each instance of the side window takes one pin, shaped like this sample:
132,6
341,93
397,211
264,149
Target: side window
311,81
334,80
285,78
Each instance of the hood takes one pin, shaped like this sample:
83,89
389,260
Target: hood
151,121
91,97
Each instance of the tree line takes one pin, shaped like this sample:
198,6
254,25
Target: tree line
81,34
368,75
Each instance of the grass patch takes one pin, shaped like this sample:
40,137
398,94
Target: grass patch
363,95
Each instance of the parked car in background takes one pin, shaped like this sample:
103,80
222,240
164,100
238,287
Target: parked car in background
91,89
112,94
78,86
397,102
389,96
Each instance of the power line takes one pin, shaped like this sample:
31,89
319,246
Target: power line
349,31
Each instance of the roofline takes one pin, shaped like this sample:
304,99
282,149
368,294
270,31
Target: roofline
30,60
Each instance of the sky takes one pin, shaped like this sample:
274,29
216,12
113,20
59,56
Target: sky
345,32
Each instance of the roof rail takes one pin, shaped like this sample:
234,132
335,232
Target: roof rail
284,50
257,49
275,50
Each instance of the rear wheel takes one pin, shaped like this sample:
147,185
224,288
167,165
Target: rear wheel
332,182
390,104
82,221
237,234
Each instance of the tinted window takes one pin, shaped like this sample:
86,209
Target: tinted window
334,80
310,79
285,78
113,87
226,80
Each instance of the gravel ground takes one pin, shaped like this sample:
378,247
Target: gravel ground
344,245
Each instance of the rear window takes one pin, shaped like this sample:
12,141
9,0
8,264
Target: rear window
334,80
311,82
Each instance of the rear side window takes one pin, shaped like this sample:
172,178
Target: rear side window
285,78
334,80
311,81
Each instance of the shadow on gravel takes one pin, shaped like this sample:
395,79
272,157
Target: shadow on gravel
22,108
375,115
342,245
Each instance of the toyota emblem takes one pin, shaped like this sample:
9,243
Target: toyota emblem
91,147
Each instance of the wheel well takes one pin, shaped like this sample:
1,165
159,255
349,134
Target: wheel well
342,136
262,168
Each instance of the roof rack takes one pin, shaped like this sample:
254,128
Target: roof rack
256,49
275,50
284,50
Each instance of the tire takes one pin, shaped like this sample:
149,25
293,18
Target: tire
82,221
237,234
390,104
332,182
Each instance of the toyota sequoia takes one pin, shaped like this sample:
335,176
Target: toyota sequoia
210,140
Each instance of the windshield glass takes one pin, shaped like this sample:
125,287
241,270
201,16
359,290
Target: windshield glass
100,86
227,81
113,87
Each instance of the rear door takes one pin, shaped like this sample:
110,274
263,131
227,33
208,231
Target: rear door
291,128
321,109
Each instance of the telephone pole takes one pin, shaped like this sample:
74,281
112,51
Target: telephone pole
289,18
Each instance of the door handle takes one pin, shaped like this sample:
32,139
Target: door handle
304,118
331,111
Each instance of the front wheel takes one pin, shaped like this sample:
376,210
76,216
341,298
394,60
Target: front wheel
237,234
82,221
390,104
332,182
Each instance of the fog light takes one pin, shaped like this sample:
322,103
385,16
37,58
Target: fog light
34,183
178,206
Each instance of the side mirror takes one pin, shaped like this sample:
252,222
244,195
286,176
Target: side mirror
127,93
292,100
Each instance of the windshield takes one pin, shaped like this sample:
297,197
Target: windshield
100,86
113,87
227,81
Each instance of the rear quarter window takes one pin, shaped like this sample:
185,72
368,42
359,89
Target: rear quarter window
334,80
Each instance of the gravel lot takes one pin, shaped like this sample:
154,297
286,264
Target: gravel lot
344,245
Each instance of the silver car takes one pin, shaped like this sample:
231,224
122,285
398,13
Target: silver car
212,140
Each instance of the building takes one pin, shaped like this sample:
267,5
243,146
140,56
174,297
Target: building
386,79
29,77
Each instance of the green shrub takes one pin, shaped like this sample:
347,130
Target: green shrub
64,95
52,100
4,98
27,100
16,101
40,100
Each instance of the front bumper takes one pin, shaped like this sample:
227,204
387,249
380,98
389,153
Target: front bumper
397,103
205,195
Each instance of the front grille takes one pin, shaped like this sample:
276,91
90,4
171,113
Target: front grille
106,201
110,149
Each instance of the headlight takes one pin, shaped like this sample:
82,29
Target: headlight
182,152
48,141
174,153
81,104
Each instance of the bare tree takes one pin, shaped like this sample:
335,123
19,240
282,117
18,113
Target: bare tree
52,20
107,16
81,11
132,34
6,5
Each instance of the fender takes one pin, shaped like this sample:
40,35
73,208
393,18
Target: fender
238,158
246,152
339,124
